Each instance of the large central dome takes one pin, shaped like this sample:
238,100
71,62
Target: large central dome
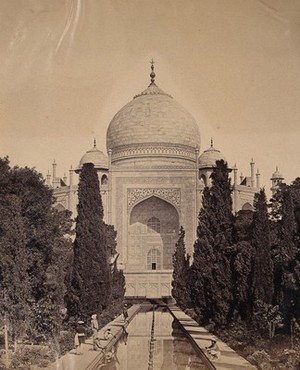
153,124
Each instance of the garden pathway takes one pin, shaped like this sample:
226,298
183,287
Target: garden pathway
91,359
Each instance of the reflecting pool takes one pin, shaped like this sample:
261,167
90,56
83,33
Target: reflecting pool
166,349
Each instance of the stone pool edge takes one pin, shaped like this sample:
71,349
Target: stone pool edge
201,338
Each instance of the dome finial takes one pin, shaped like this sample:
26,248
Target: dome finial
211,142
152,74
94,142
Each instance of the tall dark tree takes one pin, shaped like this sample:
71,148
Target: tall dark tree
91,281
262,287
242,264
118,292
202,281
242,228
15,261
180,286
286,255
117,276
33,237
211,270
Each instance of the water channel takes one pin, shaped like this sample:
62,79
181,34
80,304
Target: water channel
154,341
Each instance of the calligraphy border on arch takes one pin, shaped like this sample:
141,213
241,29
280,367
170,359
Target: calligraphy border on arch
171,195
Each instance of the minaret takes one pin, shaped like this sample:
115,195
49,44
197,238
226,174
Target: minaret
276,180
53,173
70,195
197,182
71,172
48,179
65,178
235,191
110,221
235,176
257,179
252,173
241,178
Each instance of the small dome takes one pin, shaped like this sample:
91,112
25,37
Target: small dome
209,157
96,157
277,175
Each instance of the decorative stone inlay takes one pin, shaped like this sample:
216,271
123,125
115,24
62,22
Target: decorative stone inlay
153,149
62,200
165,288
171,195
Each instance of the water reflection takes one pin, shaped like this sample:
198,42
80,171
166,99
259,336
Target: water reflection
172,351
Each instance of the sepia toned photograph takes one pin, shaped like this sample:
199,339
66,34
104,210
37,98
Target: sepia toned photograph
150,184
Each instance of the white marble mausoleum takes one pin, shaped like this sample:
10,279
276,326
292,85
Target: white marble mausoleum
151,182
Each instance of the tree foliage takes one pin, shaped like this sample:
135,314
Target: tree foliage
242,269
14,265
33,241
211,268
251,261
180,284
262,287
285,206
242,264
90,289
117,276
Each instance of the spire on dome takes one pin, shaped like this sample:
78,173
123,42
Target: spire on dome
94,142
211,142
152,74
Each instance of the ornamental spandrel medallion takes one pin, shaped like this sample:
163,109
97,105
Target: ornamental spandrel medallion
171,195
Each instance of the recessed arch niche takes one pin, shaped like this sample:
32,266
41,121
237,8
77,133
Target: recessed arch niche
104,180
59,207
153,226
247,207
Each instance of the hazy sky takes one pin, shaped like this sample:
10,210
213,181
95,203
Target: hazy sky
67,66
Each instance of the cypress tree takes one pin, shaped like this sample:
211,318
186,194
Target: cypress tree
202,281
242,278
15,261
211,270
117,276
180,273
286,250
91,281
118,292
262,287
242,264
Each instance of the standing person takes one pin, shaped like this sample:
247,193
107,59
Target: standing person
125,313
95,328
79,337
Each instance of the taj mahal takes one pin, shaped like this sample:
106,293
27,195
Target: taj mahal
151,183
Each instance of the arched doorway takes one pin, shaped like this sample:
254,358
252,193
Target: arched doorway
153,233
